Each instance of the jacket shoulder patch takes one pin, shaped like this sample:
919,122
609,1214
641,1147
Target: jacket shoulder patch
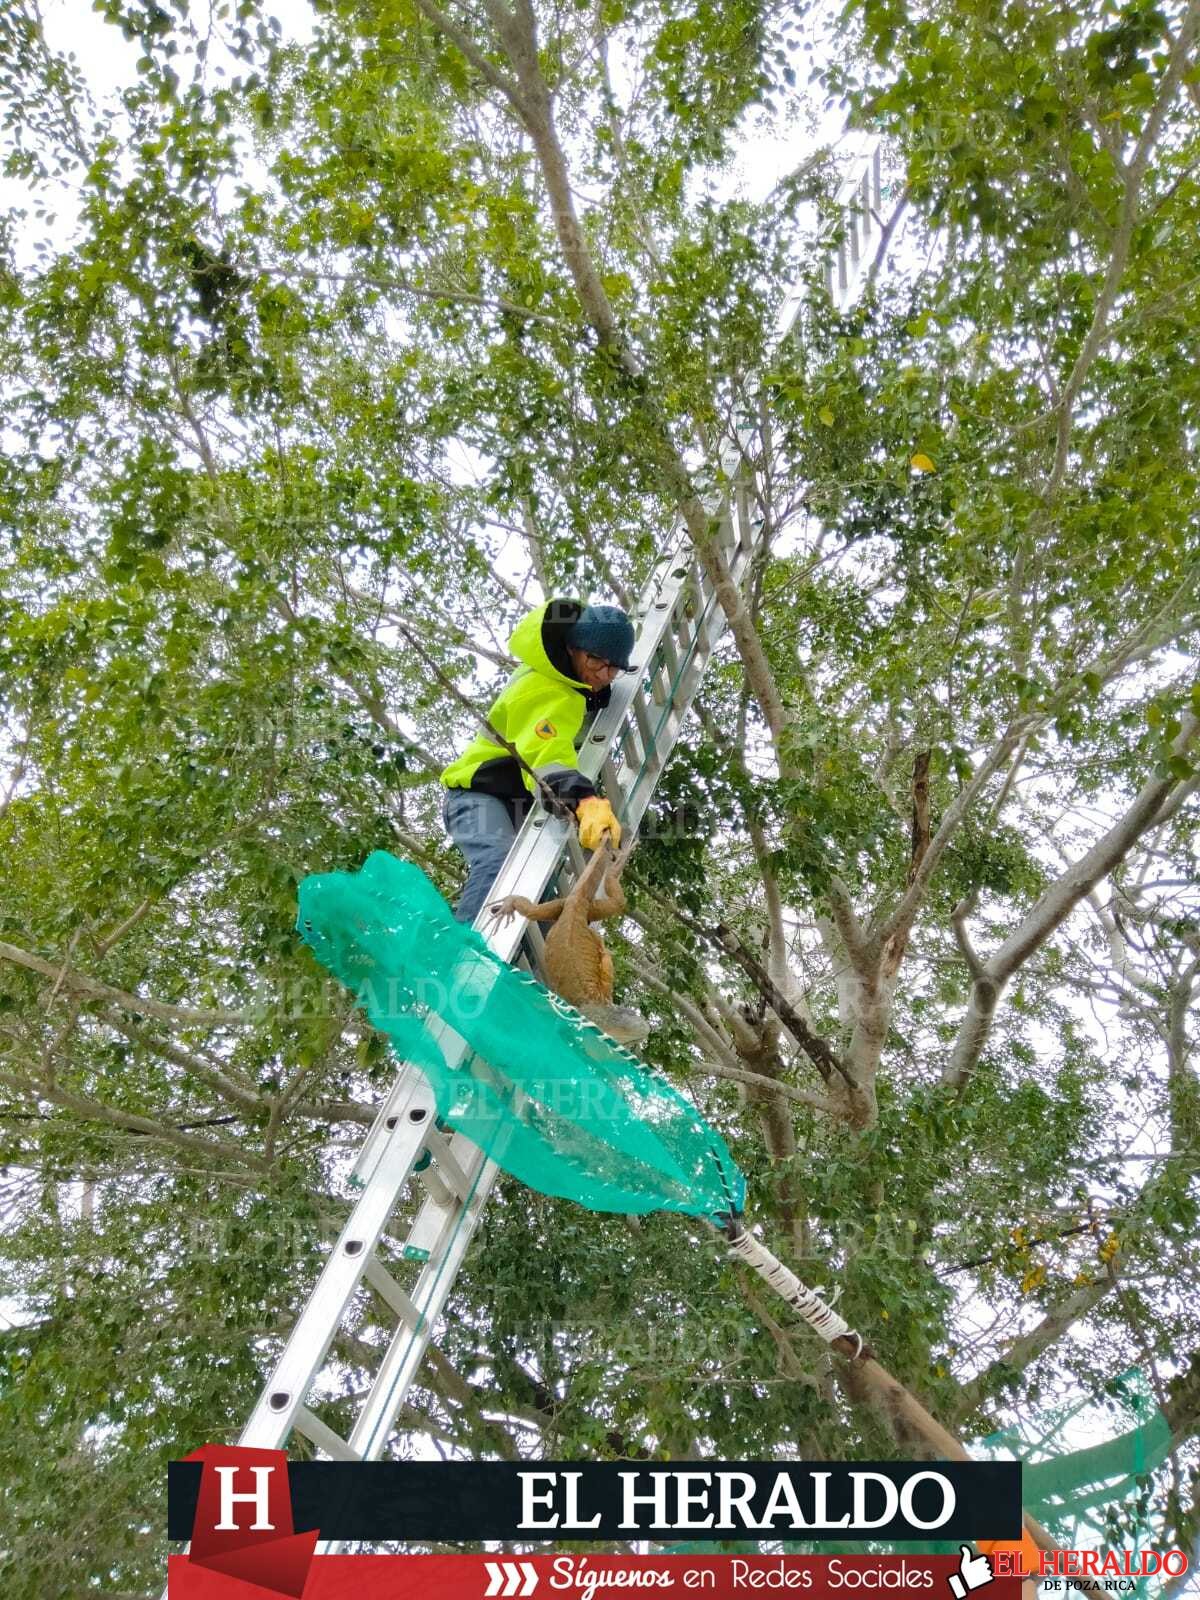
546,730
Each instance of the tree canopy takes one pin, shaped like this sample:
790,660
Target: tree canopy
437,309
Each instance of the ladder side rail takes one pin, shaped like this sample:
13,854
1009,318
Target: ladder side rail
276,1412
391,1148
402,1361
401,1364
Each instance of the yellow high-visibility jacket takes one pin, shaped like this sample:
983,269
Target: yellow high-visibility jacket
541,709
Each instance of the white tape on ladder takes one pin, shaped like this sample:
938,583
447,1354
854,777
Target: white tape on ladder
822,1318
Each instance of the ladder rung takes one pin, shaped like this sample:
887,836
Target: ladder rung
671,658
727,535
660,684
628,745
687,607
636,752
711,622
682,616
390,1292
642,738
641,717
537,943
738,565
431,1182
430,1227
323,1436
447,1166
612,779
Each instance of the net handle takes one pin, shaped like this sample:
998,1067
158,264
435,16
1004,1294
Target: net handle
822,1318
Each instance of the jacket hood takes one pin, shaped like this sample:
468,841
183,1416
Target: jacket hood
540,640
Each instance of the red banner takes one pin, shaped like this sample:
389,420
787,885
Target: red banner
599,1577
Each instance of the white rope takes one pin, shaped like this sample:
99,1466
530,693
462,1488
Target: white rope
822,1318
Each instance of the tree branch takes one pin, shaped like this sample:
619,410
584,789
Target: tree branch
901,920
862,949
958,920
1056,904
241,1094
1028,1346
533,104
95,990
1180,57
463,41
819,1051
98,1111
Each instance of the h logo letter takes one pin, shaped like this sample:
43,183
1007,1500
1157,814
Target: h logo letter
260,1499
265,1549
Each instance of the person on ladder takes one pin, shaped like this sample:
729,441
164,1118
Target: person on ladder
569,653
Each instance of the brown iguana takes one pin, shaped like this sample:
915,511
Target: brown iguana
578,967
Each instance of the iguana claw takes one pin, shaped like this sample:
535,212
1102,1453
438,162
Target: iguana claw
503,911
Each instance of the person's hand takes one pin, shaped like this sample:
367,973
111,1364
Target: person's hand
595,818
973,1572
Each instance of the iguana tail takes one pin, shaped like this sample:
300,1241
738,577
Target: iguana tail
621,1023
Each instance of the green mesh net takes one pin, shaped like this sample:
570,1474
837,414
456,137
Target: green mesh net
1088,1498
550,1098
1093,1496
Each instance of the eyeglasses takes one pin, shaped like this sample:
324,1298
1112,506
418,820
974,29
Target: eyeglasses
598,664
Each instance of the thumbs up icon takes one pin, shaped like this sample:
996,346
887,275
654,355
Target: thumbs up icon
973,1572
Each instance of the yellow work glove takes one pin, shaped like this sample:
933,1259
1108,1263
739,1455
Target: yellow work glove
594,816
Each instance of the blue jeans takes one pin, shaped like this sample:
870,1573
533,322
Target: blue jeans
483,829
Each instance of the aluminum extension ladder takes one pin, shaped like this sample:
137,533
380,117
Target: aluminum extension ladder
678,623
